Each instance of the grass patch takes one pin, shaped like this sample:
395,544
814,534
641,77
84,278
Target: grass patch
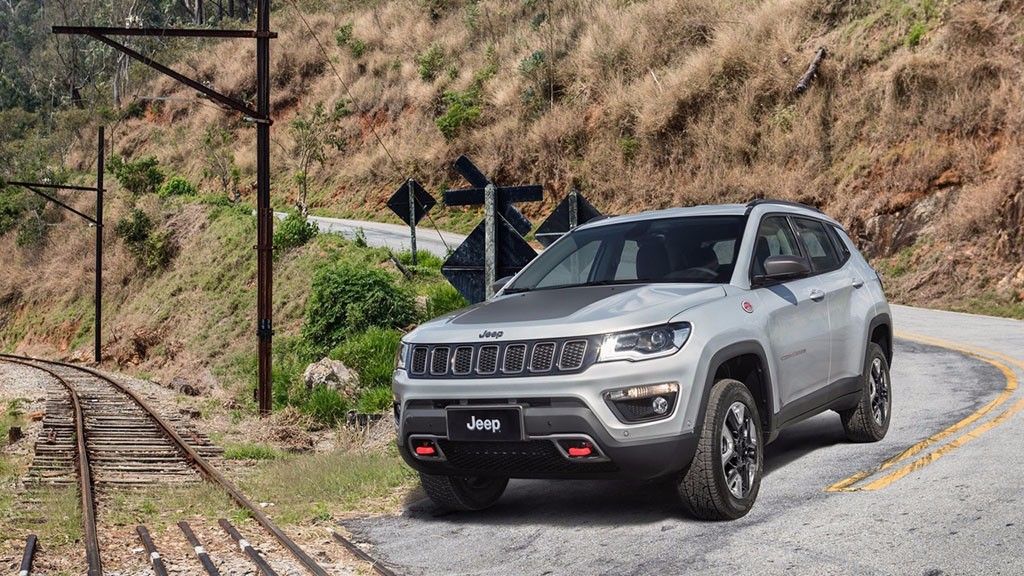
160,507
314,487
991,305
371,354
248,451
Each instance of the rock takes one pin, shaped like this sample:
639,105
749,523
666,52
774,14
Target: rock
179,384
421,304
332,374
14,434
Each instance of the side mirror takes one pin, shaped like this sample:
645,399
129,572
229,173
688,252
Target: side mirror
500,283
777,268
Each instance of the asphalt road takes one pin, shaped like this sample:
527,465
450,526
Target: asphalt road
960,512
394,236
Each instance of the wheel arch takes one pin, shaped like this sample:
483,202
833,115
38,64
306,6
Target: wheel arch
880,332
747,362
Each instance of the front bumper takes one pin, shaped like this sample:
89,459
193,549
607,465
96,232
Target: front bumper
546,422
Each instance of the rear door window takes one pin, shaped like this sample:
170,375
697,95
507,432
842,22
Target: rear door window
820,249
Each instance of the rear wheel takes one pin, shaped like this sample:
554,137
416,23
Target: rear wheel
725,475
460,494
869,421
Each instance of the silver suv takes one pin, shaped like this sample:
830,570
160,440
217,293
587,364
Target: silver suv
669,344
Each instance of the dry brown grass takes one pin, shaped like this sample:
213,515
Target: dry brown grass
660,103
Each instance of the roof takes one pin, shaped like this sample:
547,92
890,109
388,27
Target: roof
759,207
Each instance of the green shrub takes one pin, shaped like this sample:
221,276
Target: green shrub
293,231
443,298
461,110
177,186
152,250
915,34
371,354
31,232
135,228
11,209
430,62
375,400
140,177
326,406
358,47
344,35
345,299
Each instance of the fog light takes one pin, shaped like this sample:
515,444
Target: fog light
660,405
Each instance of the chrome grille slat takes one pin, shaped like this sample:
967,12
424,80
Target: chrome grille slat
573,354
515,358
487,359
462,360
543,356
439,360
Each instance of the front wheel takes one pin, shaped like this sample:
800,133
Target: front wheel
462,494
725,475
869,421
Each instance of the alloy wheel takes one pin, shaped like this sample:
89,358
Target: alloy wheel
739,450
878,392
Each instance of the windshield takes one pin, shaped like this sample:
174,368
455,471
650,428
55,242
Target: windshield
694,249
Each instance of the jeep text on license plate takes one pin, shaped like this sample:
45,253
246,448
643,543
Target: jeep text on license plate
485,424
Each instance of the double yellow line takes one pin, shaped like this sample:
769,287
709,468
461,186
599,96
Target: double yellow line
853,483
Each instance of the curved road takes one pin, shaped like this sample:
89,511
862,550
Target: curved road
394,236
954,505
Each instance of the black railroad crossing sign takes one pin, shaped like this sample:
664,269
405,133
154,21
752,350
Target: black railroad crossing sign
561,220
464,269
399,201
475,265
506,195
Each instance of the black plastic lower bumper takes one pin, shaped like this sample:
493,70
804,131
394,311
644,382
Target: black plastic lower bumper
539,456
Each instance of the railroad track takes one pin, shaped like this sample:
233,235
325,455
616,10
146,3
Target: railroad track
99,434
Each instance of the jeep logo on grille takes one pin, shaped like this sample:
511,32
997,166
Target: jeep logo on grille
493,425
491,334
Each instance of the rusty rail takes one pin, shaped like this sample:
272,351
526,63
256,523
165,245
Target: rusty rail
190,454
92,545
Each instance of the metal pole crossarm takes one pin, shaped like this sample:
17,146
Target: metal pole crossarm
165,32
53,186
199,87
59,203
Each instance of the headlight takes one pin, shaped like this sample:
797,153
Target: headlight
643,344
400,355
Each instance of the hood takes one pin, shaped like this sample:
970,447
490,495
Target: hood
580,311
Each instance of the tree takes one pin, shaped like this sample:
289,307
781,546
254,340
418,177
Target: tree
312,133
220,160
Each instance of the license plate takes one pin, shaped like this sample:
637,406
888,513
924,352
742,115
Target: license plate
485,424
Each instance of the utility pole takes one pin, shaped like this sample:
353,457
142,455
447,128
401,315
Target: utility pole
264,216
95,221
261,117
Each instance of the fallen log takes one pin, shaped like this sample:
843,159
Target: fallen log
812,72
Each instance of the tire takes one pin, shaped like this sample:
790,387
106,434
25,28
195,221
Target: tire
463,494
705,488
869,421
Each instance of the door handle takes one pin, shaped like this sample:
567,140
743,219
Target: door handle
857,282
816,294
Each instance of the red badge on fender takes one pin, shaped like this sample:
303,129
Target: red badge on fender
748,307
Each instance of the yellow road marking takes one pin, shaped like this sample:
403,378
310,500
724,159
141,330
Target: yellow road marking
845,484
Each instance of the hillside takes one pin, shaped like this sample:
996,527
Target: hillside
910,137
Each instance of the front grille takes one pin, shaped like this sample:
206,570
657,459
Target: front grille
543,357
439,360
516,458
503,359
462,364
515,357
487,361
419,360
573,354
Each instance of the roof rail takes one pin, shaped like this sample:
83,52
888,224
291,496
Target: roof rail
759,201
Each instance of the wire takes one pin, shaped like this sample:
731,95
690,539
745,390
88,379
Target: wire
352,98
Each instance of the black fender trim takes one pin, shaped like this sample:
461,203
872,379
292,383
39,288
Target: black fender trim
731,351
882,319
